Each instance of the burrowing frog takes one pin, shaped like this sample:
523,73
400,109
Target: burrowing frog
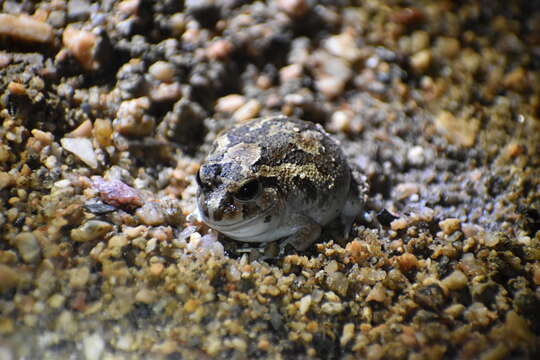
277,177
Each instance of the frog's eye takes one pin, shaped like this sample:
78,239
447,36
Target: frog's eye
249,191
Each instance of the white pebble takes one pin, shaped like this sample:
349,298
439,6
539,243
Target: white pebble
415,155
81,148
93,347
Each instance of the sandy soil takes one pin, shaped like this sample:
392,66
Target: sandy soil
107,110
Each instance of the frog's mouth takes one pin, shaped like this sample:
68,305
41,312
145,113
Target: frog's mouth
244,230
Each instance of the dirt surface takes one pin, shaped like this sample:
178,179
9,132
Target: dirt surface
107,110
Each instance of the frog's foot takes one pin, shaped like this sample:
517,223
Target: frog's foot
307,232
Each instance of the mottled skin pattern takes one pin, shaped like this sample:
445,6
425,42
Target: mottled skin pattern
276,177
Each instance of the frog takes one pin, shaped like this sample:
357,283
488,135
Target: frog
277,177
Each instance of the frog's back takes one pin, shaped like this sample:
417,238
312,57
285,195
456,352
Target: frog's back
301,159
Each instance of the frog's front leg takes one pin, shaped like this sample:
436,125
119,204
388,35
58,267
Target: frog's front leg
307,231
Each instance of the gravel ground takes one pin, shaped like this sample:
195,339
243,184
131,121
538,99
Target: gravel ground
108,108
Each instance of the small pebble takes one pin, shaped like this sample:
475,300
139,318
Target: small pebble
230,103
131,118
332,308
377,294
25,28
399,224
415,155
419,41
457,130
294,8
219,49
103,131
479,315
455,281
305,303
247,111
407,261
82,148
347,334
405,190
290,72
151,214
93,346
166,92
81,44
9,278
78,277
162,71
28,246
421,61
344,46
6,180
90,230
330,86
116,193
450,225
83,130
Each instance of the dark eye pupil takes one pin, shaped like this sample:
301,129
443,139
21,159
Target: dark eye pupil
248,191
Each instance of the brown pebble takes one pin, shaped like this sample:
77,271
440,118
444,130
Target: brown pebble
191,305
156,269
44,137
294,8
460,131
290,72
405,190
407,16
455,281
264,344
81,44
513,149
219,49
479,315
16,88
450,225
516,79
6,180
146,296
83,130
230,103
421,61
166,92
377,294
28,247
9,278
247,111
398,224
357,251
103,132
407,261
162,71
25,28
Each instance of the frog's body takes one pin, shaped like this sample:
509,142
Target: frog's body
276,177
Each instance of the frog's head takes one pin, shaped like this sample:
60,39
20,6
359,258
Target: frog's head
238,202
